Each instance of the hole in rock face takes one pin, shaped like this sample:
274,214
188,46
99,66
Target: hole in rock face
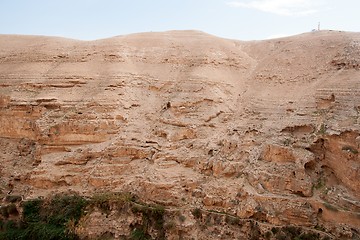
300,193
211,152
309,165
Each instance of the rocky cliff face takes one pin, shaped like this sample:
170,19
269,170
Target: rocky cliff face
263,132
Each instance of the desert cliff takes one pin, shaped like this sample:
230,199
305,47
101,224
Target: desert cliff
233,139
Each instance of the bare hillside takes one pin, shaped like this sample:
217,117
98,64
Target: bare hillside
238,138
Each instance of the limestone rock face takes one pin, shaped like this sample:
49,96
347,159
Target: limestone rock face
267,131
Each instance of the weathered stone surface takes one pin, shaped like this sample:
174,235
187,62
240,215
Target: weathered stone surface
264,131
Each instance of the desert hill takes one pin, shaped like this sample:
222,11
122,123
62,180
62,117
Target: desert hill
263,132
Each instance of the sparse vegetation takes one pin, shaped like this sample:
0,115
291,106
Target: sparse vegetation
170,225
46,219
319,184
307,236
322,129
13,198
4,212
320,228
58,217
274,230
268,235
105,202
291,230
232,220
291,233
197,213
8,210
287,142
139,234
12,210
102,202
330,207
182,218
255,232
152,217
350,149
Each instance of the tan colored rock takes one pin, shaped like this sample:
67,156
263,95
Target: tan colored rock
278,154
267,131
4,101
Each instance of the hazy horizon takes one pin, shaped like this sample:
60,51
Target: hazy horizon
233,19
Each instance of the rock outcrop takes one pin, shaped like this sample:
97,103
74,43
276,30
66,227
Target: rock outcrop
236,137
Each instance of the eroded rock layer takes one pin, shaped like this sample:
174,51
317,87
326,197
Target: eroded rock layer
264,131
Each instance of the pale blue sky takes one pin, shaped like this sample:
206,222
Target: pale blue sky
237,19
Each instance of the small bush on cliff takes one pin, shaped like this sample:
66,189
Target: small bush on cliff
102,202
182,218
105,202
350,149
151,215
46,219
268,235
31,210
4,212
13,198
61,209
322,129
139,234
232,220
308,236
293,233
197,213
12,210
8,210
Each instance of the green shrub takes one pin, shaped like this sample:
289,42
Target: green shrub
139,234
197,213
105,201
232,220
9,231
291,231
274,230
308,236
102,202
152,217
45,219
13,198
268,235
322,129
12,210
8,210
4,212
182,218
31,210
319,184
62,209
157,213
